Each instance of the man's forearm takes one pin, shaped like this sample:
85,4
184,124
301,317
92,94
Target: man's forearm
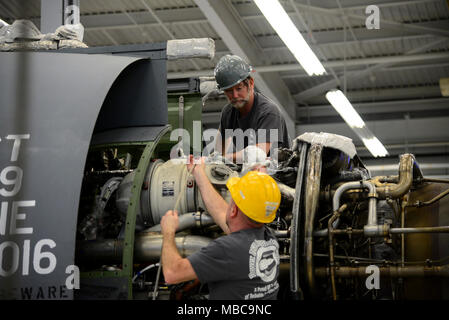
176,269
214,202
170,255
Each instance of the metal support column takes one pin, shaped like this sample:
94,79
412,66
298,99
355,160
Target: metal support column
55,13
51,15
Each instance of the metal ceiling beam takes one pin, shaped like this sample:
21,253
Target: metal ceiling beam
273,45
443,144
385,23
6,12
135,23
326,42
385,4
336,36
359,62
425,57
415,66
393,93
395,131
379,106
321,88
324,38
238,39
304,24
165,28
111,38
118,20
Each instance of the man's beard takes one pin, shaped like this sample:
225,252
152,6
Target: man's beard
238,104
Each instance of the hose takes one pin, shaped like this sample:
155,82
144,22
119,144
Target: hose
144,270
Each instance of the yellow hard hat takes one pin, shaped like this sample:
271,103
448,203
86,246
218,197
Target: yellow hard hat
256,194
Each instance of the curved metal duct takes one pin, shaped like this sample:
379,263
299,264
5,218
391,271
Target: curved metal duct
147,248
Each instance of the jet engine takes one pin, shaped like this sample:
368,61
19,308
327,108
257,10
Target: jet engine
343,234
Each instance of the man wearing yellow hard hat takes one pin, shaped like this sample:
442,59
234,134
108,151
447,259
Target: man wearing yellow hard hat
244,264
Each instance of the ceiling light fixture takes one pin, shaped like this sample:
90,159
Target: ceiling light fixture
374,146
340,103
290,35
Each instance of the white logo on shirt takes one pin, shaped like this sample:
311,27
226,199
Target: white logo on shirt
263,259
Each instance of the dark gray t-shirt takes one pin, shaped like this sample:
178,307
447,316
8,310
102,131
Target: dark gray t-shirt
263,115
243,265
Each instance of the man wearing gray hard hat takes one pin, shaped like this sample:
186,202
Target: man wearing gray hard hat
246,110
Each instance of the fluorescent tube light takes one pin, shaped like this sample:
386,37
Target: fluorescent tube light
374,146
290,35
340,103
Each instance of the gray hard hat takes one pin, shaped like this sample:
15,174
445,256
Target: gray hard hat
231,70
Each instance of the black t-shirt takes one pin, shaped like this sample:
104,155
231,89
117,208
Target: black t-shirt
264,123
243,265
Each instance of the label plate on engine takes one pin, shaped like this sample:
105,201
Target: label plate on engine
168,188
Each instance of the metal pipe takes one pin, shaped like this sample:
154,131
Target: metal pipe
287,193
427,203
331,255
406,165
282,234
347,231
380,181
344,187
442,229
404,206
371,229
187,221
350,231
331,248
435,180
352,258
389,271
147,248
